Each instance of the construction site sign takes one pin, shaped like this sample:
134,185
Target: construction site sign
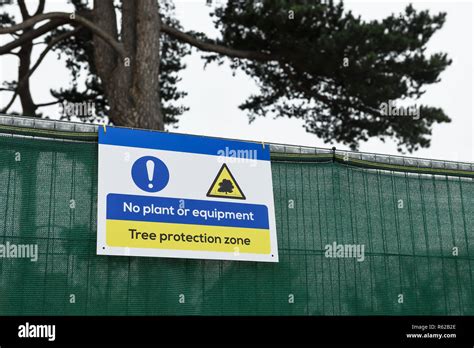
175,195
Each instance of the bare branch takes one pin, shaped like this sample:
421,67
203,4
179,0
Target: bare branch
10,103
40,7
13,53
50,45
23,9
25,78
48,104
33,20
31,35
210,47
67,17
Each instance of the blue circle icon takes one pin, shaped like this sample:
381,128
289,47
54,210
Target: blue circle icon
150,174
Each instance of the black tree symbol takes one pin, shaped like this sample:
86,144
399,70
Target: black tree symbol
226,186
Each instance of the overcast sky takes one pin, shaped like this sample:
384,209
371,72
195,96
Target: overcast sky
214,94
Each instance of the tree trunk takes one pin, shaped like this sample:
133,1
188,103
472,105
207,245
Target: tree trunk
131,84
27,104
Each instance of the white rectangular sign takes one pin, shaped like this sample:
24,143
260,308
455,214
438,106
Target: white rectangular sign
174,195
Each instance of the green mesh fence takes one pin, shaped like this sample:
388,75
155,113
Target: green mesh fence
408,222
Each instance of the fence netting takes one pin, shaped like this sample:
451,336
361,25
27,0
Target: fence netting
417,231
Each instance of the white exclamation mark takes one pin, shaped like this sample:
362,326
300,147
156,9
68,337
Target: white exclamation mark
150,168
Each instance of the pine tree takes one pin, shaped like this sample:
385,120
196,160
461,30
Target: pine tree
312,60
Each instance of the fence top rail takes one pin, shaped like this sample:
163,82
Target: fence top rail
67,130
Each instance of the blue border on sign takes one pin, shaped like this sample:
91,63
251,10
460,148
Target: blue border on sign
179,142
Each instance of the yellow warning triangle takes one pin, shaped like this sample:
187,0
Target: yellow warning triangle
225,185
